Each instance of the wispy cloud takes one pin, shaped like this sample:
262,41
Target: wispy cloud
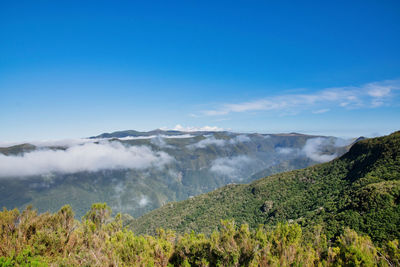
320,111
85,157
160,142
208,142
143,201
230,166
319,149
314,148
211,140
287,150
242,138
369,95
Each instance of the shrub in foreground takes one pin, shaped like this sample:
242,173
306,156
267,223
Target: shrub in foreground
31,239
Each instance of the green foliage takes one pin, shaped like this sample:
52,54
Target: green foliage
355,250
393,251
29,239
361,189
99,213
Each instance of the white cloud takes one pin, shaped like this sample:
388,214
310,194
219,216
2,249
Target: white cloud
240,139
341,142
71,142
159,141
211,140
63,142
379,90
53,143
80,141
207,142
230,166
85,157
286,150
369,95
181,128
320,111
314,147
143,201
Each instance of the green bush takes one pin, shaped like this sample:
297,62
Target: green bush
30,239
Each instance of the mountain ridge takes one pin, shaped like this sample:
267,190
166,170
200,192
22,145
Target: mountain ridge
195,163
336,194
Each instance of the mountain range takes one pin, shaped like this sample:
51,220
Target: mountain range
136,172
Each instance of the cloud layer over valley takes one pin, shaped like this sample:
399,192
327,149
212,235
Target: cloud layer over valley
211,140
230,166
84,157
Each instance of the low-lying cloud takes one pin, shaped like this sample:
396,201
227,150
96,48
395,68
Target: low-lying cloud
80,141
286,150
143,201
240,139
160,142
316,149
53,143
230,166
207,142
211,140
84,157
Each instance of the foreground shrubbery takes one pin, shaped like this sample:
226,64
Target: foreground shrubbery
29,239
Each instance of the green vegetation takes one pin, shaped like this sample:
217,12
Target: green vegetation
29,239
361,190
297,218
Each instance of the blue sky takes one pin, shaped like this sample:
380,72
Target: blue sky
79,68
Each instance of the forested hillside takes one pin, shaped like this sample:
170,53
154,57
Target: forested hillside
360,190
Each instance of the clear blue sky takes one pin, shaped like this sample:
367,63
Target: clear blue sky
80,68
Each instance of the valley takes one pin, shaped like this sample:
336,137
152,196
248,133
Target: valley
136,172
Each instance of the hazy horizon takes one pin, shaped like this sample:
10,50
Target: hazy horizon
5,143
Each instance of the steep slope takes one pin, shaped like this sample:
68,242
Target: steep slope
361,189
